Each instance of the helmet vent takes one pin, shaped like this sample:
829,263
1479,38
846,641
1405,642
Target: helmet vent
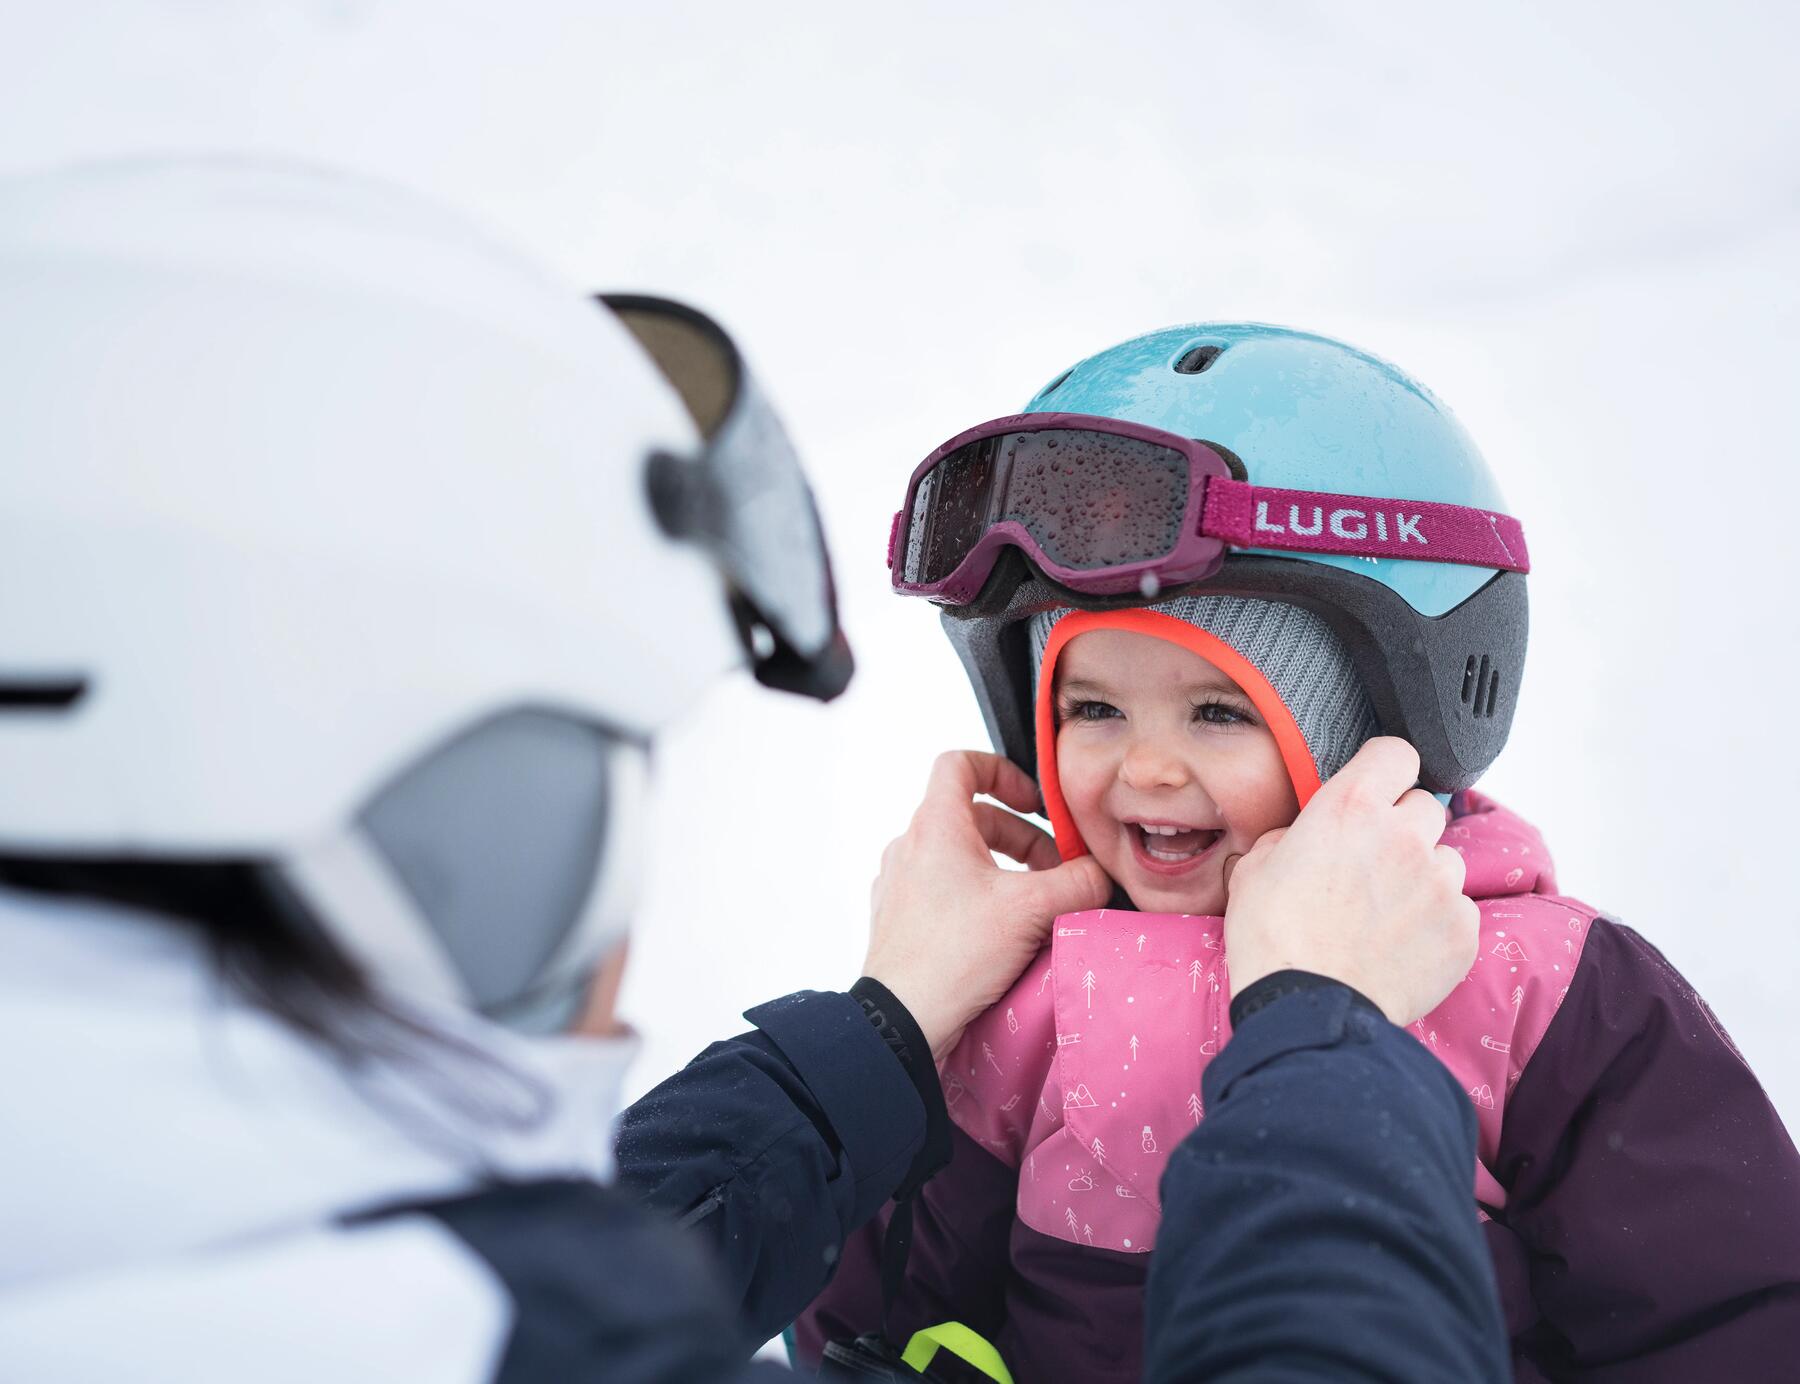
1198,359
1481,686
1056,383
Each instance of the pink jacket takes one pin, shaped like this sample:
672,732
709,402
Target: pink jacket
1086,1075
1642,1197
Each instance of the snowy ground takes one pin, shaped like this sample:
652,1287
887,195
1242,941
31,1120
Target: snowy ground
1580,225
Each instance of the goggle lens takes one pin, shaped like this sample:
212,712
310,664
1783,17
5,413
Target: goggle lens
1089,500
950,510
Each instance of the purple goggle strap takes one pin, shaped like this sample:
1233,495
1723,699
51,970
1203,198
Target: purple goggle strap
1305,521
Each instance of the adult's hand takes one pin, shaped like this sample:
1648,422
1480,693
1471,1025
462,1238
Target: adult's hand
951,930
1358,889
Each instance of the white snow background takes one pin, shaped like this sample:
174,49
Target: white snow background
1580,225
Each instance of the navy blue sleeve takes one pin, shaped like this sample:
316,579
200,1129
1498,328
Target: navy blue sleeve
776,1145
1319,1223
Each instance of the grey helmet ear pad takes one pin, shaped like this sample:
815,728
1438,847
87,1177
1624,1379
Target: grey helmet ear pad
1448,684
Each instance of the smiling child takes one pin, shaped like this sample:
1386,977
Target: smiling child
1165,585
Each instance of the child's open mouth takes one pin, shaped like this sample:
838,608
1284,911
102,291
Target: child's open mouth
1170,847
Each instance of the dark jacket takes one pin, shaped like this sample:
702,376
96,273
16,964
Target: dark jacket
775,1146
1651,1229
1352,1257
1334,1252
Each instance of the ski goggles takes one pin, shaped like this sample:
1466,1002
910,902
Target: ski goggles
745,500
1109,508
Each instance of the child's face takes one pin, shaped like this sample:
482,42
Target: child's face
1152,735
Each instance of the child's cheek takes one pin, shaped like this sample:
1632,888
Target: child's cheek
1082,771
1257,796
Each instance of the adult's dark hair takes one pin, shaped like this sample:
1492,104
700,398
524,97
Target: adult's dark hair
265,944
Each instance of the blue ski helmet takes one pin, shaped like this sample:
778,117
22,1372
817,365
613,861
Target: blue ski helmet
1439,647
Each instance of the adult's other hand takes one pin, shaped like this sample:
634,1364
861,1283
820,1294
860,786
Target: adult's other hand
1358,889
951,930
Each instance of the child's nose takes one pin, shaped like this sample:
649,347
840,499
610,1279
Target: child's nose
1149,763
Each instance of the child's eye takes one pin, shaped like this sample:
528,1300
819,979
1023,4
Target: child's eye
1090,711
1217,713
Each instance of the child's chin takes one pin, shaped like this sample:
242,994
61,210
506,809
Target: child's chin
1152,896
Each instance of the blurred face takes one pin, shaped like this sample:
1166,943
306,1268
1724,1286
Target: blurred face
1168,770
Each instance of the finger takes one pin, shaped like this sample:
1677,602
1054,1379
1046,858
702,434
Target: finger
1468,924
1255,856
1451,862
1382,770
1015,838
1071,887
1268,841
1265,843
1423,815
964,774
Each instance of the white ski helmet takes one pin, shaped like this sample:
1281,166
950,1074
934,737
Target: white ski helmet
327,541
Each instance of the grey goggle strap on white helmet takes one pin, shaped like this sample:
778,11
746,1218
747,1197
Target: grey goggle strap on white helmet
744,499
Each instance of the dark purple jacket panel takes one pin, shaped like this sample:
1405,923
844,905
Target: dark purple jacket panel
1652,1224
1054,1312
1651,1232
